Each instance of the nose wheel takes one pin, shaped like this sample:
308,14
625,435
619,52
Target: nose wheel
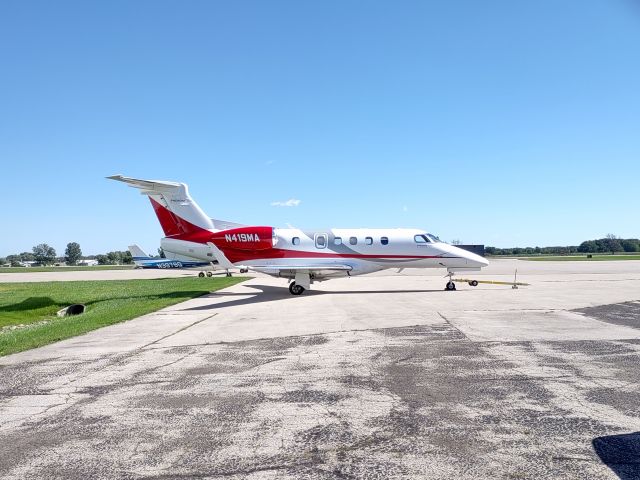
450,285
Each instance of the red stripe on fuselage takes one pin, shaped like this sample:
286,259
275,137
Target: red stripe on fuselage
180,229
238,256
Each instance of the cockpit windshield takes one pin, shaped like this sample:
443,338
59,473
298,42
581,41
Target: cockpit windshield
433,238
426,238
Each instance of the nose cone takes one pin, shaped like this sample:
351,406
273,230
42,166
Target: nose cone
471,259
480,261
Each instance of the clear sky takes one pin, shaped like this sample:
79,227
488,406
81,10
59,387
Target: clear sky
497,122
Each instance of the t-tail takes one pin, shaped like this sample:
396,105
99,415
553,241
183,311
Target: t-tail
177,212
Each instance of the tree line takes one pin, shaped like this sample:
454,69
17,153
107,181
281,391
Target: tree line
608,244
43,254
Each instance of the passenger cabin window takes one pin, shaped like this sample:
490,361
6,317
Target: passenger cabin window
321,241
368,240
384,240
337,241
295,240
421,239
353,240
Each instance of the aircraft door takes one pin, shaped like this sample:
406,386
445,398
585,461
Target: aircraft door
321,240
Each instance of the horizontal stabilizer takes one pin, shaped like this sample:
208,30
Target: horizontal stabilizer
177,212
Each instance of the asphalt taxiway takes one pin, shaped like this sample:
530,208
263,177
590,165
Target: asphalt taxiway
382,376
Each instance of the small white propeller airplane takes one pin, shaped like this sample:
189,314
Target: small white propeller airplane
301,256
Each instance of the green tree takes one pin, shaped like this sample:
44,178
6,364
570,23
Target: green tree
114,258
127,258
612,243
102,259
44,254
14,260
27,257
72,253
630,245
589,246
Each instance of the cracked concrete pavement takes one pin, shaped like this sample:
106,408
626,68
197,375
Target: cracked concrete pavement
384,376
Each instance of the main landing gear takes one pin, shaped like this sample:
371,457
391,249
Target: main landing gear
296,289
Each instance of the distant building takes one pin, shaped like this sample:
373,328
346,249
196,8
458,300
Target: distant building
88,263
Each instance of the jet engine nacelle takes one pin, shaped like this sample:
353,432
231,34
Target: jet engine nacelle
245,238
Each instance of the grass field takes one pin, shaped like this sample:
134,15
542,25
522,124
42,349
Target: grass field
28,310
582,258
63,269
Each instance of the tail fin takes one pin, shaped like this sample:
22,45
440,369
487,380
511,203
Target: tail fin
137,253
174,207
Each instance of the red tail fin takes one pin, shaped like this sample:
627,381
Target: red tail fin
172,224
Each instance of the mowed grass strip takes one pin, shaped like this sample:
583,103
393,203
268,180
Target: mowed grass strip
28,310
64,269
595,258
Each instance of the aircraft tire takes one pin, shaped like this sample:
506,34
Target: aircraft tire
201,274
450,286
295,289
209,274
473,283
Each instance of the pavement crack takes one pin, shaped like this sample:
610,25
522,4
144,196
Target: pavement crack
177,331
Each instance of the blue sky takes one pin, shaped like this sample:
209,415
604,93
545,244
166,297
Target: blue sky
498,122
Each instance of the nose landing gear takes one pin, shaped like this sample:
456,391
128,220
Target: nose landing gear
450,285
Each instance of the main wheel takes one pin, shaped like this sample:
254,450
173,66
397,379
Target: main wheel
201,274
450,286
295,289
209,274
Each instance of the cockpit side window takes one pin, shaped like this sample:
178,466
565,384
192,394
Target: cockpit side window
433,238
421,239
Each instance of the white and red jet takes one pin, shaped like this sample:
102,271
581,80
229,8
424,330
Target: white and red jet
301,256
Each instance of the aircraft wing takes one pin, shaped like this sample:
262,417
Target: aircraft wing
319,269
311,268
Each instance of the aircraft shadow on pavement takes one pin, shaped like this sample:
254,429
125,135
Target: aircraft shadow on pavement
621,453
268,293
